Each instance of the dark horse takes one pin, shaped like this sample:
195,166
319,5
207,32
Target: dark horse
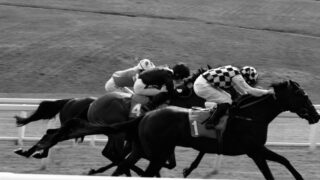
66,108
88,113
160,131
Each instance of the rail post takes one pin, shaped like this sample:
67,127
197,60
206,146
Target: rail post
21,130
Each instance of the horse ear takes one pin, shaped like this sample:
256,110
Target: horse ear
295,84
209,67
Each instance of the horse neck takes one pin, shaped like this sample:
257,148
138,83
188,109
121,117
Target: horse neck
264,111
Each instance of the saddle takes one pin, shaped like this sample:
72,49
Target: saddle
197,118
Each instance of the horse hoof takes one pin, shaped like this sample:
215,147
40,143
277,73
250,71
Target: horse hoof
19,151
185,173
91,172
38,155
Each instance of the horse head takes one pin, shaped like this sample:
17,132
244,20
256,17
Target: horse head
293,98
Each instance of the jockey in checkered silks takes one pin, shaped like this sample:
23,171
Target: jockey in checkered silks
123,80
211,83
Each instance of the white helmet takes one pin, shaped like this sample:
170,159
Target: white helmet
145,64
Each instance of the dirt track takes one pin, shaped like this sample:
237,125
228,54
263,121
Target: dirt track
79,160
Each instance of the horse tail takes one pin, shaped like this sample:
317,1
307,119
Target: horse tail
124,126
46,110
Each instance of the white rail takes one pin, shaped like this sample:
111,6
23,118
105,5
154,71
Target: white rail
22,106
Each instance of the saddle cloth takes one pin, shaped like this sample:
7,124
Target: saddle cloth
136,102
197,116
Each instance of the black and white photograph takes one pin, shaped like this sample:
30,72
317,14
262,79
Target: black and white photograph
171,89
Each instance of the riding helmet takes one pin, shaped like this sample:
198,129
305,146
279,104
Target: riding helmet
180,71
250,74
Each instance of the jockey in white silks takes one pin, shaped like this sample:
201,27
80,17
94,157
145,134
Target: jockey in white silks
211,83
121,80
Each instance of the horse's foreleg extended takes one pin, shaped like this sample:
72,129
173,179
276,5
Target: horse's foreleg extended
272,156
73,128
102,169
193,165
128,163
261,162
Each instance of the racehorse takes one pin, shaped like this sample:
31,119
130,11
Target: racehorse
67,108
108,109
161,130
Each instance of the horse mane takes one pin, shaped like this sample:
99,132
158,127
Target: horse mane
247,98
196,74
277,85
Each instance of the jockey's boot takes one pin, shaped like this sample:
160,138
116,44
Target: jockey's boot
214,119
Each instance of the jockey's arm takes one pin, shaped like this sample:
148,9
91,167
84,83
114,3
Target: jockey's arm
128,90
140,88
245,88
170,86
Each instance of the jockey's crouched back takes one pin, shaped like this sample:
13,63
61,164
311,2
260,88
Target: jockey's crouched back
159,83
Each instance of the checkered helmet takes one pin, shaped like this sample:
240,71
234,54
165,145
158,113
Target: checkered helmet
250,74
145,64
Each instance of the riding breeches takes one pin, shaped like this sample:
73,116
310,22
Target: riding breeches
211,94
110,86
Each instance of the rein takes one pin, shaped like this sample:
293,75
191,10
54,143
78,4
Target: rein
257,101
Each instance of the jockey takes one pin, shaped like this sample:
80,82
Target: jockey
209,86
159,83
121,80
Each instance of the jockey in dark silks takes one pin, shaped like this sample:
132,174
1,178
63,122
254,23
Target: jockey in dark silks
159,83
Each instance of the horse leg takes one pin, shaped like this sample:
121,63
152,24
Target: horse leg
217,164
272,156
39,155
127,163
154,168
26,153
72,128
193,165
114,150
261,162
171,162
33,149
102,169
